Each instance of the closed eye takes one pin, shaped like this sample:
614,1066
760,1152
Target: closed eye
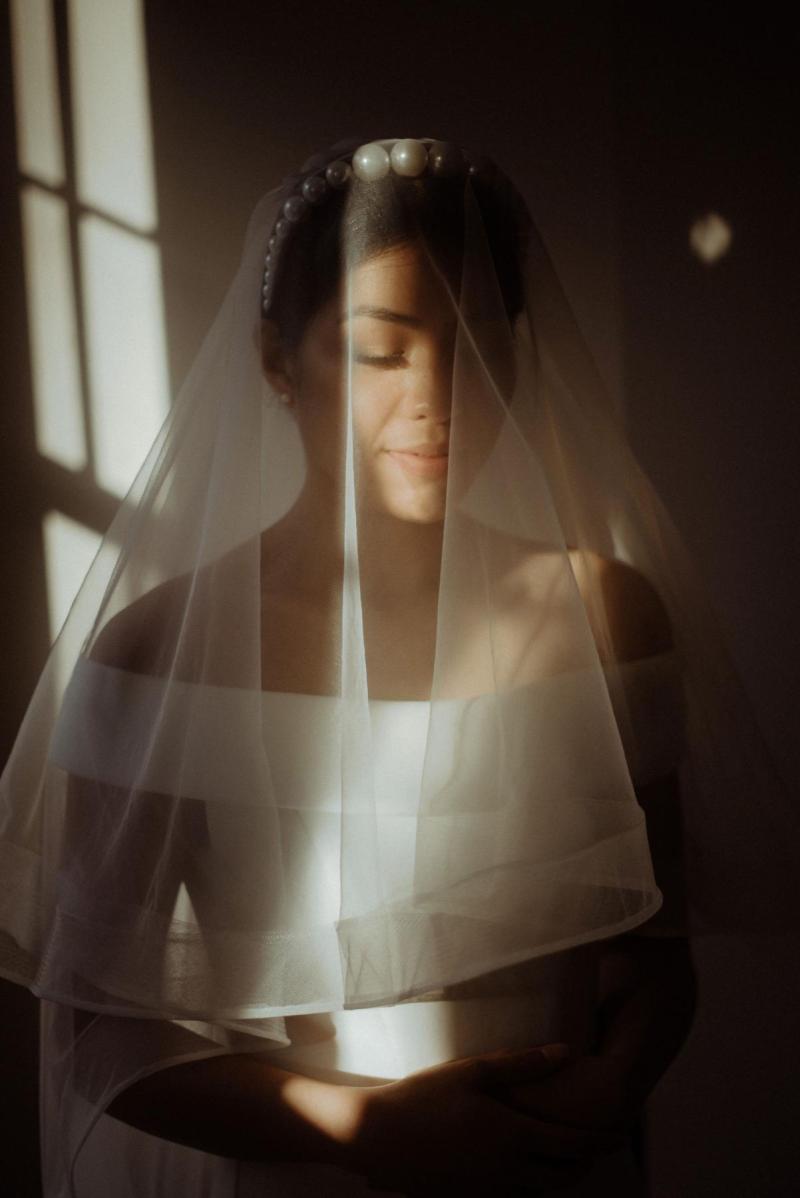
386,361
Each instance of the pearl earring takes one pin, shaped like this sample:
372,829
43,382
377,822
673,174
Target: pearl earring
272,397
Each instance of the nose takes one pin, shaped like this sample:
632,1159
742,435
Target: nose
430,391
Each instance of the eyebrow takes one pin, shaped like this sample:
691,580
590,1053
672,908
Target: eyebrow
382,314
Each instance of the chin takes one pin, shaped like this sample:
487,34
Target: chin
436,517
418,513
422,502
413,509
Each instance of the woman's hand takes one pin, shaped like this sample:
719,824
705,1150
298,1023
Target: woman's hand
648,989
443,1130
590,1091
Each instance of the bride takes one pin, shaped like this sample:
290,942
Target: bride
360,812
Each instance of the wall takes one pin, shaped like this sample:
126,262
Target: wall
704,122
619,132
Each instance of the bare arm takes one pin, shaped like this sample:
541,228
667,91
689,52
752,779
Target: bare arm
647,997
648,1010
241,1106
438,1127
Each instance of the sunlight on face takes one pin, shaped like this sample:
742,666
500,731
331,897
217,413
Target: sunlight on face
396,331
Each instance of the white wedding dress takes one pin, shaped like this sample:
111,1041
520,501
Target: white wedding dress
549,998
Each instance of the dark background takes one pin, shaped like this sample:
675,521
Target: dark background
621,127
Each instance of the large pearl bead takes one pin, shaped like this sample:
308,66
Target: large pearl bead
371,162
409,157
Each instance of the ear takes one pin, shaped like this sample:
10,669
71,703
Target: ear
275,360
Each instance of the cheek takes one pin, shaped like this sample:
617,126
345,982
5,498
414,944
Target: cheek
320,413
374,402
322,409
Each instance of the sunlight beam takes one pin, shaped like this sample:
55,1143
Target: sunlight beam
55,368
124,321
111,110
69,550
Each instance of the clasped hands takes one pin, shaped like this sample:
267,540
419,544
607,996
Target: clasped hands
506,1123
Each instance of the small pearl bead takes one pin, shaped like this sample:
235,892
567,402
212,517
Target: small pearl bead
409,157
295,209
479,164
446,158
281,228
314,189
337,173
371,162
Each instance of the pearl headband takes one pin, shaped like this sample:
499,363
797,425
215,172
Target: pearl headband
407,157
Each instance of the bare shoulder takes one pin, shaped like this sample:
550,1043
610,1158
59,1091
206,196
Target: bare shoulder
153,634
130,639
626,612
636,620
627,616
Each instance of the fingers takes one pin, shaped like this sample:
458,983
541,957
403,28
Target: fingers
516,1068
455,1132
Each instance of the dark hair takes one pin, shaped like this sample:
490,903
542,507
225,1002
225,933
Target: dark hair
372,217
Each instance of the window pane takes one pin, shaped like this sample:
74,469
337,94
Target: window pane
128,393
69,549
114,155
58,412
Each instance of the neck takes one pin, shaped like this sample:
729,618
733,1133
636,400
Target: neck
399,560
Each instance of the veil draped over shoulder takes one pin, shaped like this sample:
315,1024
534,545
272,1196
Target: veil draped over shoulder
199,832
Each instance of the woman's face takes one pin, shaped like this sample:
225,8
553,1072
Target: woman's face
392,332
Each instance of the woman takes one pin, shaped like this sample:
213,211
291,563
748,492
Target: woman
338,875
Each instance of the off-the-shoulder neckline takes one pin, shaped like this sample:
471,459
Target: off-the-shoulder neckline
662,656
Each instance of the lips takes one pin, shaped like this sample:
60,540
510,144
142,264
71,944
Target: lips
422,461
430,449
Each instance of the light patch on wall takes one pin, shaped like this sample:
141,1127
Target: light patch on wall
710,238
69,551
40,150
58,411
111,109
124,321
